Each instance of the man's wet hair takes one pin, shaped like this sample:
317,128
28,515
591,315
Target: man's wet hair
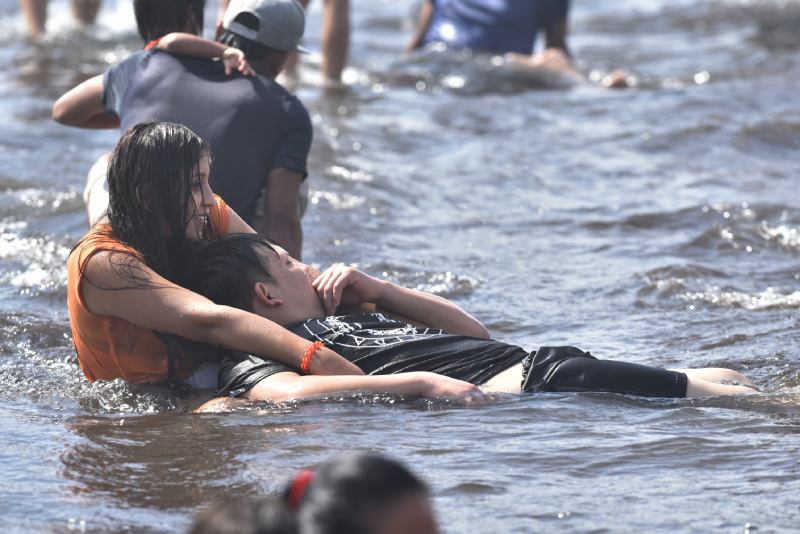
157,18
225,270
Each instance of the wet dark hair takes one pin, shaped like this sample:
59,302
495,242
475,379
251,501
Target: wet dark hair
225,271
253,50
244,516
345,496
348,495
150,175
157,18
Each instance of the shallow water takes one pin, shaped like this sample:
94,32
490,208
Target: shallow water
658,225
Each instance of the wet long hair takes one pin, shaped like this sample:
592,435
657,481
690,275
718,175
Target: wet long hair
157,18
348,495
150,176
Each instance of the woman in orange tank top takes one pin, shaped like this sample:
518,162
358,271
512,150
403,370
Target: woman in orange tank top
122,300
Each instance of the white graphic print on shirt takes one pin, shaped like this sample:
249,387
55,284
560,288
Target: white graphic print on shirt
335,331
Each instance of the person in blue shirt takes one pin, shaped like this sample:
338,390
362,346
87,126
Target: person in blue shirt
495,26
508,28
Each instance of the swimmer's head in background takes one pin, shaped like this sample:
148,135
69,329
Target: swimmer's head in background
259,26
157,18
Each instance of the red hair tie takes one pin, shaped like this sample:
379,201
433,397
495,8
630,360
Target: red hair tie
299,486
152,44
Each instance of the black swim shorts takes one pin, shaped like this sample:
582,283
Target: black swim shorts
571,369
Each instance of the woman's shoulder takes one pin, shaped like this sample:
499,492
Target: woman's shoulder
99,239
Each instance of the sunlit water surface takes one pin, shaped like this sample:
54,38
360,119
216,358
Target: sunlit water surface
657,225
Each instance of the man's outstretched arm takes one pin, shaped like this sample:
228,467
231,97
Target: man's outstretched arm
292,386
343,284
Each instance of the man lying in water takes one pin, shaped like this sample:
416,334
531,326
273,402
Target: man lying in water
413,343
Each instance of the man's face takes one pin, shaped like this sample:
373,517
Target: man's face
291,280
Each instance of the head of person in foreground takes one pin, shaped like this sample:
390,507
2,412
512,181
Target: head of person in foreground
355,494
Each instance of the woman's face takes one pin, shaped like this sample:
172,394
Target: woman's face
202,201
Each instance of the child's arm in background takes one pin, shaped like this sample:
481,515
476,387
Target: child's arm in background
347,285
193,45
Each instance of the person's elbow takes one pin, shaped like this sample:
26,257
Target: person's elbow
62,113
481,332
66,112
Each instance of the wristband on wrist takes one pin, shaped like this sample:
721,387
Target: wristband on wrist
308,354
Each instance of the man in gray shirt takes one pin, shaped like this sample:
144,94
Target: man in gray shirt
259,133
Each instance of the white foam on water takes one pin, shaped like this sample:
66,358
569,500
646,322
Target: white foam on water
339,201
785,235
764,300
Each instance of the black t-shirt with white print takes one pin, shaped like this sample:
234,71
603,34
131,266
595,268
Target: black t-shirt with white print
380,345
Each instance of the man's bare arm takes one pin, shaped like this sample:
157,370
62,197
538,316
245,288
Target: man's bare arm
281,210
348,285
82,106
292,386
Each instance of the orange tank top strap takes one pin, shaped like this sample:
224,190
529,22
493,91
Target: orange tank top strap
220,216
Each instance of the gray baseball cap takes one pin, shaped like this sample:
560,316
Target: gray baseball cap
280,23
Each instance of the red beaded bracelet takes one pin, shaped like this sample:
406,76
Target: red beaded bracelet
309,353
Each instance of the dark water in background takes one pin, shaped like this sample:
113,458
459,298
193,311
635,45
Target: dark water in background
659,225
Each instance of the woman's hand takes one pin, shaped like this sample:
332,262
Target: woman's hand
341,284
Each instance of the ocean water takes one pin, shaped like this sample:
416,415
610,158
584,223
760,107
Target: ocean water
659,225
